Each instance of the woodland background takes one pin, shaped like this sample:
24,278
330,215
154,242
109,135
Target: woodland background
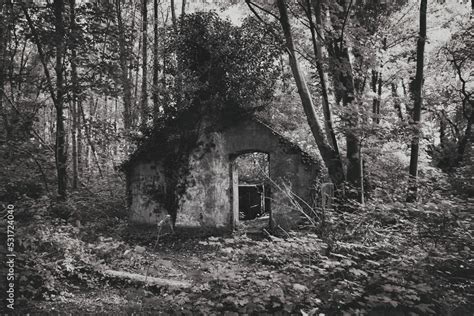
381,91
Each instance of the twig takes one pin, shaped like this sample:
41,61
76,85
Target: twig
250,4
284,231
345,21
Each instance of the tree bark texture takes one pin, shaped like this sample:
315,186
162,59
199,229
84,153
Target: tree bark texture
418,100
144,92
317,36
61,154
330,157
75,83
342,73
156,60
5,8
124,75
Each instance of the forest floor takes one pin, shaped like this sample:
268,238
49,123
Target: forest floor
64,269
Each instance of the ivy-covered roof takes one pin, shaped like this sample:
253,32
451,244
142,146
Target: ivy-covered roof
168,139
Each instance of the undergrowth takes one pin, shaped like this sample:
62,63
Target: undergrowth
380,258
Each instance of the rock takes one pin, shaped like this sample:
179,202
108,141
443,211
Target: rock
300,287
127,253
229,240
139,249
276,291
227,250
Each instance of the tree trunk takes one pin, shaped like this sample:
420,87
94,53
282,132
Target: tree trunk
183,8
179,79
4,39
144,92
396,101
317,47
346,80
465,140
61,155
173,15
418,100
74,111
156,61
88,132
123,55
80,151
376,89
343,77
330,157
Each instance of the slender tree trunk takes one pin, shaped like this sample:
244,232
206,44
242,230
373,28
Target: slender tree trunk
164,66
317,36
342,73
126,85
465,140
330,157
346,80
379,96
61,155
156,60
418,100
396,101
80,151
362,188
174,21
5,8
376,89
136,111
173,15
88,133
74,111
134,64
183,8
20,70
144,92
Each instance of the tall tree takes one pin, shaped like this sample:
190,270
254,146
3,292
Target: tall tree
61,154
329,155
75,100
156,59
5,9
345,88
317,37
124,70
417,102
144,90
173,15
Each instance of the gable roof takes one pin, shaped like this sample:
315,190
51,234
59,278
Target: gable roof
163,141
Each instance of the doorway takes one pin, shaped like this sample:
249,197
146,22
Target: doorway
251,202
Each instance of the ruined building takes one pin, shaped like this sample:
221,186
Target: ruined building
192,175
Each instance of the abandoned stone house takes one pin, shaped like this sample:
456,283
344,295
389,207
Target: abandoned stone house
199,185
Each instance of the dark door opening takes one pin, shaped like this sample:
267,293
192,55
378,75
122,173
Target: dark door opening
251,201
251,192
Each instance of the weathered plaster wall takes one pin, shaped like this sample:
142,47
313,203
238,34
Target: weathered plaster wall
286,165
207,200
146,185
